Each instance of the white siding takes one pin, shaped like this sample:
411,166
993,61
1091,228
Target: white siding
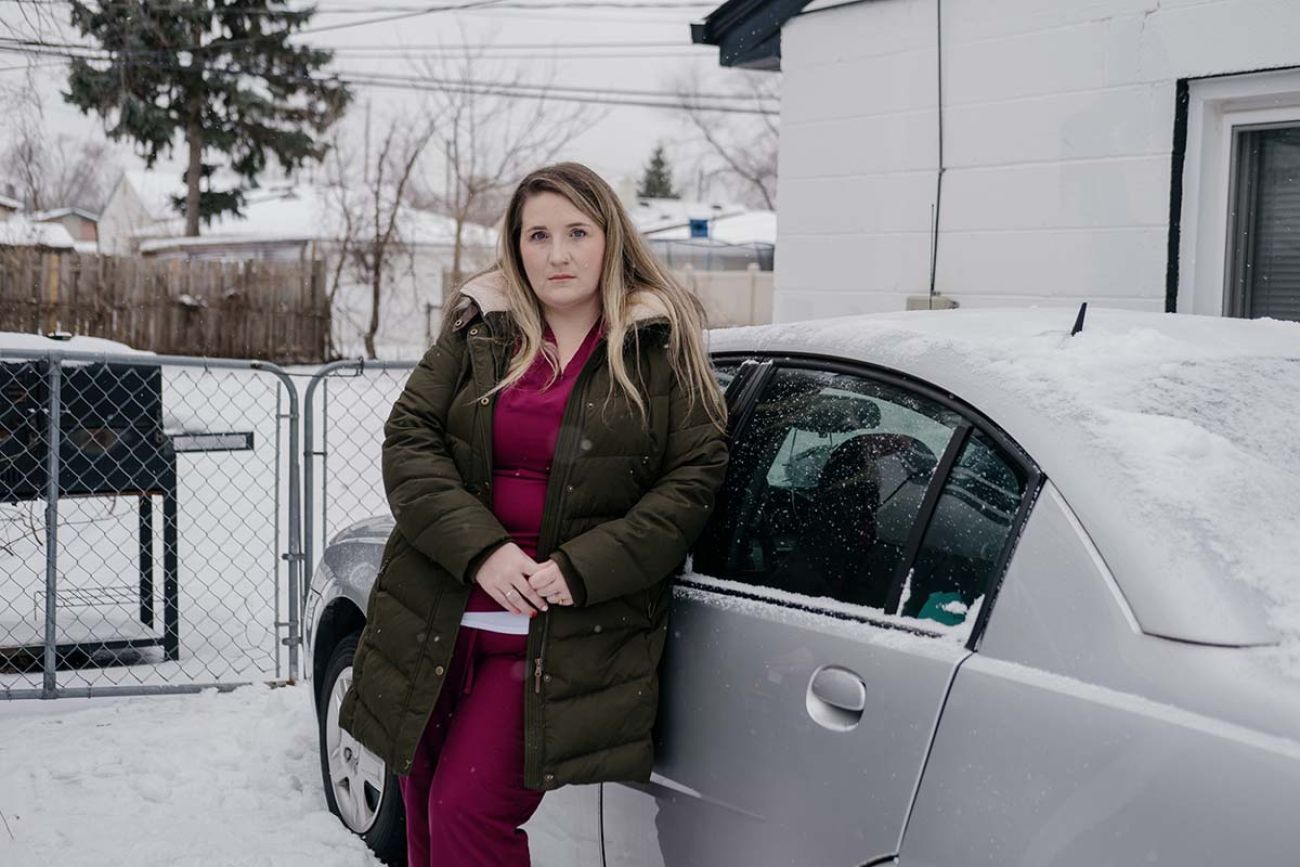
124,214
1058,131
857,156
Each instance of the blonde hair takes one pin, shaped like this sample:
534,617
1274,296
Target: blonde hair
630,274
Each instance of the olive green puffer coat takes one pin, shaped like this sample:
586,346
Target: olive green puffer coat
624,503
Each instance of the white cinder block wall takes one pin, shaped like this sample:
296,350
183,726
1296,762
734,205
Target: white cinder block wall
1058,137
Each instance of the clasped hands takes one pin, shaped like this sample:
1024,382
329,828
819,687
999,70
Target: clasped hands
519,583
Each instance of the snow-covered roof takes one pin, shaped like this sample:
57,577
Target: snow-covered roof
19,232
1173,437
652,216
304,213
746,227
60,213
10,203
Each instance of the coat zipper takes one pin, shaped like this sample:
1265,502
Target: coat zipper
573,415
555,490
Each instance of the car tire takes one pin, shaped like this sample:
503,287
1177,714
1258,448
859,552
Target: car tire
372,803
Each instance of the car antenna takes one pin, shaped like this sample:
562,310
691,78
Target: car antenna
1078,321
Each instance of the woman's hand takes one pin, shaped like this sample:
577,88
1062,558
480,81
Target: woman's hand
549,581
504,575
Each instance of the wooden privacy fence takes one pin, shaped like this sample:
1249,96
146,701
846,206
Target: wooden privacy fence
276,311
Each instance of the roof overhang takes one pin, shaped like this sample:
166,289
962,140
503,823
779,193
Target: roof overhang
747,32
60,213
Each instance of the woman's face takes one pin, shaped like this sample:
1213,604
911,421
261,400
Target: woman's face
563,252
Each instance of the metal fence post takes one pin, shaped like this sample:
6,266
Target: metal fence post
295,555
295,531
308,523
49,681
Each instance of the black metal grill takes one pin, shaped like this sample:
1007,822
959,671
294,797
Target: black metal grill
111,432
111,443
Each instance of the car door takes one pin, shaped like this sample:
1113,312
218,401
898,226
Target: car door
565,830
798,703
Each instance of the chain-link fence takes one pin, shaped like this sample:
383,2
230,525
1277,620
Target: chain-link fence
149,524
344,409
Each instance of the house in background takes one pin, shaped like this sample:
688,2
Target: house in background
81,224
139,201
707,236
19,231
723,252
9,205
288,222
1134,153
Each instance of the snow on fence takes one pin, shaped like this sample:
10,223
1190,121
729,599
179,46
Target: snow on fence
271,310
149,515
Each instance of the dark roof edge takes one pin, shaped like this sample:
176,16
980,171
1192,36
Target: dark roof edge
747,32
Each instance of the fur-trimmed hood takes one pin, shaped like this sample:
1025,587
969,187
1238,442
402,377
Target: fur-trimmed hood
486,294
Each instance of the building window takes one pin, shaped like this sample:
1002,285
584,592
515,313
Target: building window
1241,136
1264,270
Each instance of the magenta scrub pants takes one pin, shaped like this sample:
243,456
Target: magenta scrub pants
465,797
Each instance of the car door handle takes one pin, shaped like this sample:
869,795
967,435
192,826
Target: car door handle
836,698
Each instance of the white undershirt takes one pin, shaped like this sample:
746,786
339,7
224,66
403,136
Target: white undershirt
496,621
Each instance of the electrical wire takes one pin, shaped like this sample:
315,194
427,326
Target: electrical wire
428,82
593,100
714,103
550,88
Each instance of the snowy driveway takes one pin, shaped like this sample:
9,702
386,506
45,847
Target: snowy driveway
210,780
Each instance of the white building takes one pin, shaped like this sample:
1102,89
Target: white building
139,201
1134,153
81,224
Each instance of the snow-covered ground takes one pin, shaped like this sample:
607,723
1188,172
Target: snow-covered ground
208,780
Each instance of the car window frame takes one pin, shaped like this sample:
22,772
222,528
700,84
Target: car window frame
755,372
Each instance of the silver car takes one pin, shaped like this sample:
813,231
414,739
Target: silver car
979,591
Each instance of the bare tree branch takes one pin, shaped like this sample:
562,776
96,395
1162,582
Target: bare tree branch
743,149
370,239
489,142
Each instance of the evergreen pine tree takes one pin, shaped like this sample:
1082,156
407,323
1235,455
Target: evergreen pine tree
221,73
657,182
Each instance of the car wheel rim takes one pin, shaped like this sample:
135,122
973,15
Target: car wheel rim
356,774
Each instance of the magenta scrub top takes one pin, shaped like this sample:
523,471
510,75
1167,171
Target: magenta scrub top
525,426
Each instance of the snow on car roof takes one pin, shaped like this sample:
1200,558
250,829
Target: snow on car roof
1173,437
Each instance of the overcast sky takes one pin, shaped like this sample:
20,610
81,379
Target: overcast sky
619,141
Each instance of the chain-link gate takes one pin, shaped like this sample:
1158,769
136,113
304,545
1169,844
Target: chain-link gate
149,524
344,409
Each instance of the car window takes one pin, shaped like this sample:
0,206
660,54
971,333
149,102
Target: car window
725,372
965,541
825,484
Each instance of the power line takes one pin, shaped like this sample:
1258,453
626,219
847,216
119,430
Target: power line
38,48
400,16
432,47
414,85
713,102
549,88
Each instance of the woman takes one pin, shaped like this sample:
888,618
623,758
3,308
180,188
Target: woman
549,464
